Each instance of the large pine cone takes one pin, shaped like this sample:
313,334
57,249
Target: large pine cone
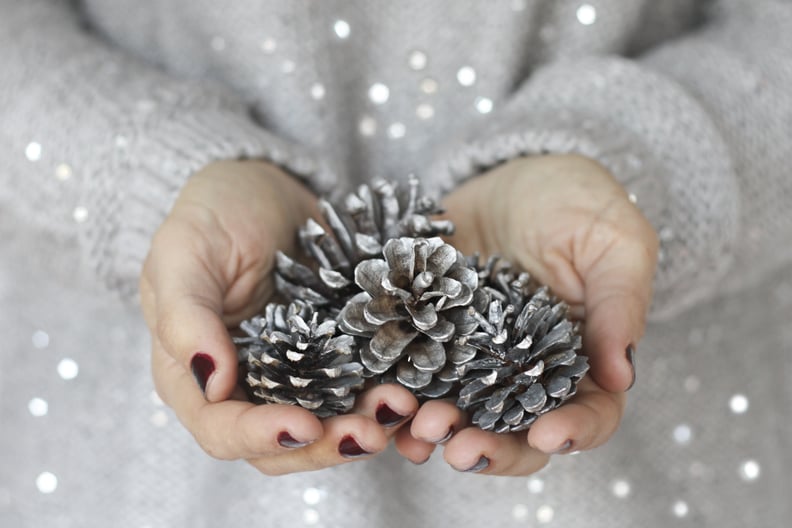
414,305
358,230
527,362
295,357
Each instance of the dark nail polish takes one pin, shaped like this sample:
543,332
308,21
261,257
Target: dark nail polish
481,465
349,448
387,417
202,366
447,437
287,440
566,446
631,359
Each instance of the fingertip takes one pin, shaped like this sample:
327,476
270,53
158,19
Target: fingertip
609,343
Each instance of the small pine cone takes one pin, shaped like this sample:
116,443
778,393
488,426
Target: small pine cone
414,305
527,362
295,357
358,230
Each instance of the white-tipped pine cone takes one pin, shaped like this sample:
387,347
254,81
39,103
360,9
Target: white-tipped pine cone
357,230
527,360
413,307
294,356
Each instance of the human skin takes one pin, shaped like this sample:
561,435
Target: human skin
562,218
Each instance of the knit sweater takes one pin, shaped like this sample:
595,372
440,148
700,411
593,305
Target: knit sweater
108,106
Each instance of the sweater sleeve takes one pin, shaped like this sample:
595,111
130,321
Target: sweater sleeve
96,143
696,128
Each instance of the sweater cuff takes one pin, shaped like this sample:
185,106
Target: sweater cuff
151,163
651,135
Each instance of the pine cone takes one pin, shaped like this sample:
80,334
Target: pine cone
295,357
527,362
358,231
414,305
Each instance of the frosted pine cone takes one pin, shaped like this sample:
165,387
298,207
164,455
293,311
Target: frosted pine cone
295,357
413,306
527,362
358,230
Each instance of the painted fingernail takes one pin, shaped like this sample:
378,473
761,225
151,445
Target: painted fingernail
387,417
563,448
287,440
447,437
631,359
482,464
202,366
349,448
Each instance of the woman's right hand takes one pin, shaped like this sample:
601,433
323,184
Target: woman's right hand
210,267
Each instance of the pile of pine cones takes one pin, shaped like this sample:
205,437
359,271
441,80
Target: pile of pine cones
386,298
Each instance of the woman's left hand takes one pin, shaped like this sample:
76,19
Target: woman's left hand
564,219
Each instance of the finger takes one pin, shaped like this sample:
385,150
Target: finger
389,405
346,438
189,301
588,420
414,450
618,293
473,450
231,429
437,421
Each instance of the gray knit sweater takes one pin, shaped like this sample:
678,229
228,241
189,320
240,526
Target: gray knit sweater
108,106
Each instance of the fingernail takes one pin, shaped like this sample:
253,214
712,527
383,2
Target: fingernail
563,448
631,359
422,462
387,417
349,448
287,440
481,465
447,437
202,366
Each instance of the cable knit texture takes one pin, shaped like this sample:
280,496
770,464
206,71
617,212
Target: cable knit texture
108,106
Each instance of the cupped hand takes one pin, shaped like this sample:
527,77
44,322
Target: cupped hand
209,267
568,222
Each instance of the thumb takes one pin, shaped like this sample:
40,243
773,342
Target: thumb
618,290
189,307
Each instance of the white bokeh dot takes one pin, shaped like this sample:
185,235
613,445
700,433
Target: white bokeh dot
63,172
545,514
378,93
417,60
520,512
38,407
46,482
310,516
738,404
633,198
317,91
484,105
159,419
341,29
680,509
750,470
586,14
40,339
683,434
424,111
621,488
268,45
155,399
33,151
68,368
367,126
312,496
535,485
397,130
80,214
429,86
466,76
